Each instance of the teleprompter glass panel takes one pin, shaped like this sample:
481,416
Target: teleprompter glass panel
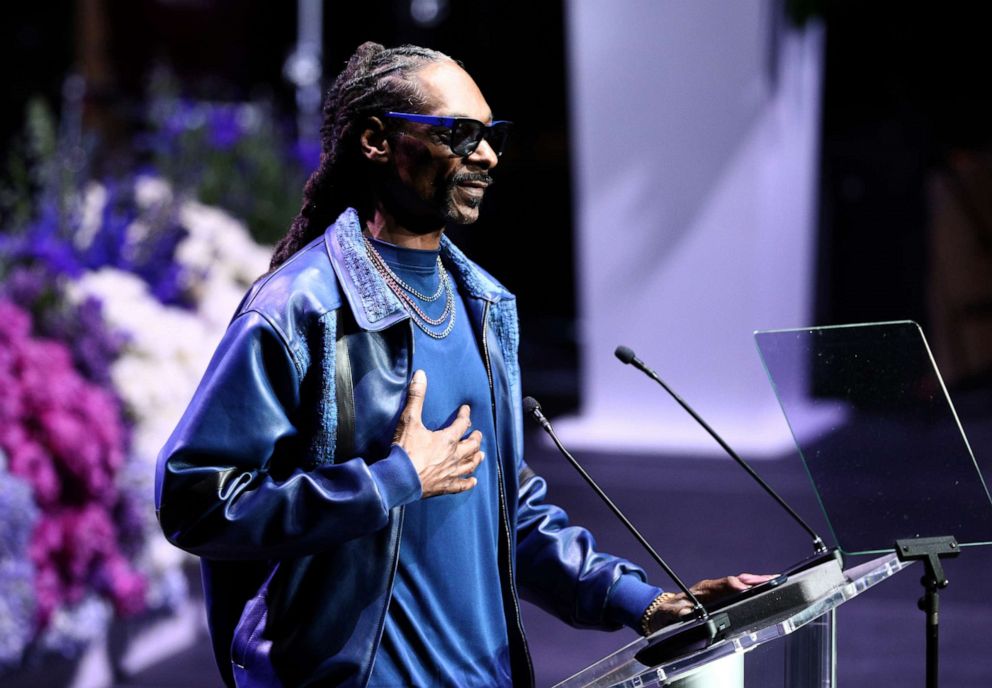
895,463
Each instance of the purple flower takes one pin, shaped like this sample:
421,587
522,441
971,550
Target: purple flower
45,545
27,285
132,516
154,261
175,118
29,460
49,243
17,609
82,328
109,245
94,346
123,584
224,130
306,153
44,241
18,514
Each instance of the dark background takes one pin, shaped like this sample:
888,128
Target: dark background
904,87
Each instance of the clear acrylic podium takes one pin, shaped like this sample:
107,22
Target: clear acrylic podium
892,468
794,652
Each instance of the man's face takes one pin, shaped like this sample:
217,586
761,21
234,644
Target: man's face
433,182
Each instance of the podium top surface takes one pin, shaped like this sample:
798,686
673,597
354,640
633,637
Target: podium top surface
622,669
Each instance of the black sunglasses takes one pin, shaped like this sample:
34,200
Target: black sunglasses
464,135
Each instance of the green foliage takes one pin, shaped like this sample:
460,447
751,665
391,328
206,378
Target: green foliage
235,156
28,165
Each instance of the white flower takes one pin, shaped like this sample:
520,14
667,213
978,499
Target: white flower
167,353
70,629
94,200
218,246
151,191
220,297
169,589
169,348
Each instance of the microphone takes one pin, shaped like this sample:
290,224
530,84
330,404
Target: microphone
533,409
626,356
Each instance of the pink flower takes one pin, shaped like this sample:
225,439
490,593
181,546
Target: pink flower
125,585
48,593
65,437
89,536
16,323
29,461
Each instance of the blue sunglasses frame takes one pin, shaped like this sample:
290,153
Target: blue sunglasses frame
464,134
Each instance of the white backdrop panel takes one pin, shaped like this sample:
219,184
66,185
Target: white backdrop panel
696,149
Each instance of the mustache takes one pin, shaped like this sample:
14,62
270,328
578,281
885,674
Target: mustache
473,177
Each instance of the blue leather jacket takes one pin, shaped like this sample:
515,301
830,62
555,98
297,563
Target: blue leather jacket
270,476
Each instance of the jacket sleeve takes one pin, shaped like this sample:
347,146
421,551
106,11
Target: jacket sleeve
560,570
216,492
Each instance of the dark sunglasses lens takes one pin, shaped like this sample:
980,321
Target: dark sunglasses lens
468,134
465,136
496,135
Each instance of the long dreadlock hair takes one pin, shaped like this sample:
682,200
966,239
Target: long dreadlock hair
375,80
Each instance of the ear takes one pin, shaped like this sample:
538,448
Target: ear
373,142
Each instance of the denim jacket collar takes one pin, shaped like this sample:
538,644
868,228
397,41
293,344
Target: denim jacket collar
372,302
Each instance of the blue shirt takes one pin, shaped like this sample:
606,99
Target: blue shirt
446,623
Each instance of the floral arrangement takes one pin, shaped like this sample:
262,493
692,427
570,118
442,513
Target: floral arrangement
64,437
113,295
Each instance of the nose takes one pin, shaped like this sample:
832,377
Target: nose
484,156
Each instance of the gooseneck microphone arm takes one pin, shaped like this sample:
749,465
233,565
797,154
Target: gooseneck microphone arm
533,409
626,355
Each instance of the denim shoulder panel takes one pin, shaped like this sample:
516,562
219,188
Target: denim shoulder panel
324,439
503,316
295,296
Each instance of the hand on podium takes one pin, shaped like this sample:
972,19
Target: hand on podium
669,607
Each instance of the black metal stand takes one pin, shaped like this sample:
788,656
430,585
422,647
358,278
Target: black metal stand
930,551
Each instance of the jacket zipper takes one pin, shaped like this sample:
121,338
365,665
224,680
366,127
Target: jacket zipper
502,494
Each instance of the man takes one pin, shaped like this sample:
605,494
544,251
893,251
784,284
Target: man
350,469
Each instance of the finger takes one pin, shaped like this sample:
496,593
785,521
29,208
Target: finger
415,396
470,463
461,485
470,444
704,586
722,586
462,422
733,583
755,579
